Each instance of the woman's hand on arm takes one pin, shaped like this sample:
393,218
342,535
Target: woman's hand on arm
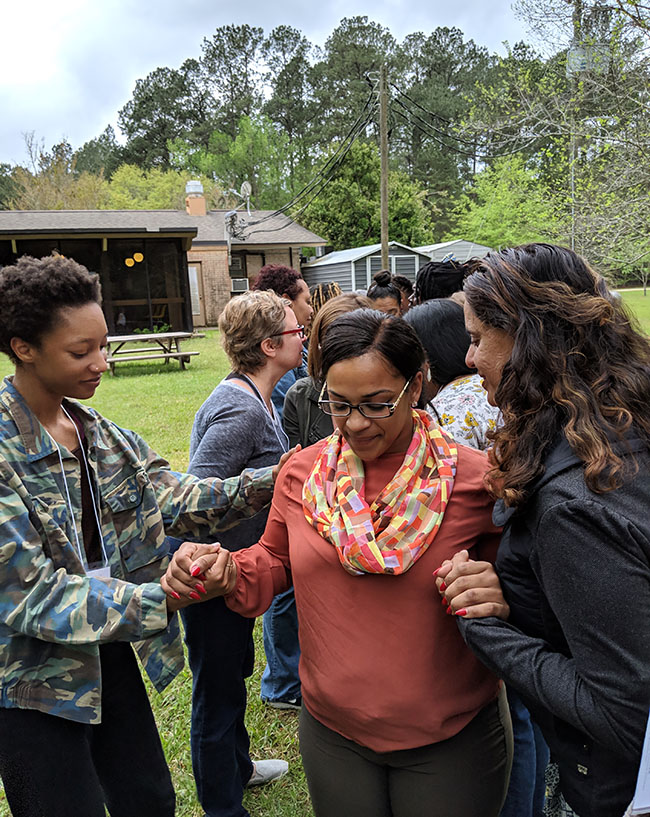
284,458
471,589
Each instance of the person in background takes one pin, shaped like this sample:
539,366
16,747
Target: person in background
280,685
288,283
384,294
235,428
303,419
563,618
399,718
321,294
438,279
452,392
85,507
406,288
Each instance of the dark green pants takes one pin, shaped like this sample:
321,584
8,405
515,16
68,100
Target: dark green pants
464,776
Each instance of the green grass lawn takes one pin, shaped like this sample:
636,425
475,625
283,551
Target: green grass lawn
639,304
159,401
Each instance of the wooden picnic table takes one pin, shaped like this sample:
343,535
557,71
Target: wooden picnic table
159,346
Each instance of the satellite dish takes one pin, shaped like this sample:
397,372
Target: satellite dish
246,190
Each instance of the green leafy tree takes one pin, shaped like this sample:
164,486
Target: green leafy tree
166,104
354,53
581,119
347,209
230,66
257,154
291,106
53,183
100,155
7,185
506,206
431,98
135,188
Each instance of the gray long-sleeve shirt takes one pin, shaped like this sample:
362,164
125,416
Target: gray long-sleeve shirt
233,430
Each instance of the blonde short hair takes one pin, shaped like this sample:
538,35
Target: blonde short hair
246,321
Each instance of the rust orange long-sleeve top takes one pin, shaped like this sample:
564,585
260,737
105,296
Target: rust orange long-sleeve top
381,663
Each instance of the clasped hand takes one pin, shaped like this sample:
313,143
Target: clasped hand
197,573
471,589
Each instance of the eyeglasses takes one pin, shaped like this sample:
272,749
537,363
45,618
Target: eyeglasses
371,411
300,331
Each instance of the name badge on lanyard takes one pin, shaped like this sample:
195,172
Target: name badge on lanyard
103,572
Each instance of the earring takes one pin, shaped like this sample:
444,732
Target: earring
428,375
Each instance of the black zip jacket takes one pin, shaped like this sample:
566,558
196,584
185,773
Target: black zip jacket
574,566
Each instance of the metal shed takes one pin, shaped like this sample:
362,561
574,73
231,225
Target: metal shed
354,269
460,249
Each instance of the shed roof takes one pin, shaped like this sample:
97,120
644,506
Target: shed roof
471,248
274,229
356,253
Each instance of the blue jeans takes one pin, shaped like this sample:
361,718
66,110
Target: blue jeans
280,680
221,655
527,788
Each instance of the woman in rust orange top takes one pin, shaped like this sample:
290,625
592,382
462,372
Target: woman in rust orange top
399,719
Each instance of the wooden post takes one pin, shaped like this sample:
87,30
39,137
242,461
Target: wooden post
383,139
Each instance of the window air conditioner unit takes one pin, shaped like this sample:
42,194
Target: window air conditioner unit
239,285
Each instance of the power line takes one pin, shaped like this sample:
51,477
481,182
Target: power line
350,137
476,154
435,115
333,168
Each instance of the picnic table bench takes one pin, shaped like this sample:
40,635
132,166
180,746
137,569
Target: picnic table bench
159,346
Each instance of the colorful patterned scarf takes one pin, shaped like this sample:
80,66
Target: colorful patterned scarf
392,533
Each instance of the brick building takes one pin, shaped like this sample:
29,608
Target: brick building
171,267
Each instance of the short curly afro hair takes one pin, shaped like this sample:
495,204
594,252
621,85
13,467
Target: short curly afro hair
32,292
284,281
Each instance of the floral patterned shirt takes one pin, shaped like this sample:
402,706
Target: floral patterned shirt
462,409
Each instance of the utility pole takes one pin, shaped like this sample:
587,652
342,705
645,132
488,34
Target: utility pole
577,38
383,141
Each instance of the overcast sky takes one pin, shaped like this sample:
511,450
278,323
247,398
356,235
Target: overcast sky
66,68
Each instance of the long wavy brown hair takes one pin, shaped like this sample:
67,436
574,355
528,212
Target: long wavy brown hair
579,365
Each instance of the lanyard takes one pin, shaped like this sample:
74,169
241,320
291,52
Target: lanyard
104,570
275,422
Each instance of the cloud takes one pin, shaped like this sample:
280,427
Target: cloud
67,68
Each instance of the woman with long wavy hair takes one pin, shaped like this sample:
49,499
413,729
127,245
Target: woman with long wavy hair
563,620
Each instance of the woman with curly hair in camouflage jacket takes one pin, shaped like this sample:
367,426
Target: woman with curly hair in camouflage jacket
85,507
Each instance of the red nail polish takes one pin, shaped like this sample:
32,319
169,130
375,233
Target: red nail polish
462,612
437,570
195,570
449,611
199,586
194,595
442,587
174,595
444,601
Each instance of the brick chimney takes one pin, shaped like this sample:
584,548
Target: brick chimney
195,200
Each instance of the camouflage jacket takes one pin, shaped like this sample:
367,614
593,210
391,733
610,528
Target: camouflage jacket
53,617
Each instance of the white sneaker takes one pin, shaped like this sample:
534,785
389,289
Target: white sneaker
264,771
285,703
